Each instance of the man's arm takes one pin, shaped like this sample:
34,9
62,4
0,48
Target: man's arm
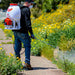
28,20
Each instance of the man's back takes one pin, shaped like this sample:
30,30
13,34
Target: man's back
25,20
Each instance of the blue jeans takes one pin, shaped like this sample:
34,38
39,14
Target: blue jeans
25,39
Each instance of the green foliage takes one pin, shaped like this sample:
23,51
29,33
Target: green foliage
5,3
36,12
46,6
48,52
36,47
49,4
40,47
54,38
9,65
62,36
7,43
66,66
1,25
7,32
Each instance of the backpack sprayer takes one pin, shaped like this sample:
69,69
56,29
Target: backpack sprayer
13,16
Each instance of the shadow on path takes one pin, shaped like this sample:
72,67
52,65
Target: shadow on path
41,68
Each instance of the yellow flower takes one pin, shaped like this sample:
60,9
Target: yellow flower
32,40
52,10
22,67
18,58
58,27
0,44
33,47
24,62
5,58
46,39
11,54
43,25
51,31
1,48
35,28
42,39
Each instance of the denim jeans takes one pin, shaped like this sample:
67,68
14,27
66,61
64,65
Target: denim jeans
25,39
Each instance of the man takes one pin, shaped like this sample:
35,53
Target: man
22,34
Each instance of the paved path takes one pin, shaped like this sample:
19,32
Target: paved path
2,15
41,65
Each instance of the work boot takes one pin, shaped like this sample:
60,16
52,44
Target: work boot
28,66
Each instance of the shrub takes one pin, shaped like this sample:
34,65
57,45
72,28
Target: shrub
47,52
9,65
36,47
7,32
66,66
1,25
36,12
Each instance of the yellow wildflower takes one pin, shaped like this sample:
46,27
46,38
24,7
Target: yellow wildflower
22,67
43,25
51,31
5,58
17,57
46,39
42,39
35,28
33,47
24,62
52,10
0,44
58,27
1,48
11,54
32,40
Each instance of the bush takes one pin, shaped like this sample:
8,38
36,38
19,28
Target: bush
9,65
47,52
49,4
36,12
66,66
7,32
36,47
1,25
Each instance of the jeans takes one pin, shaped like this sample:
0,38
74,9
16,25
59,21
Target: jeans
25,39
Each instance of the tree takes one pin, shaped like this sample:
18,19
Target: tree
49,4
5,3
